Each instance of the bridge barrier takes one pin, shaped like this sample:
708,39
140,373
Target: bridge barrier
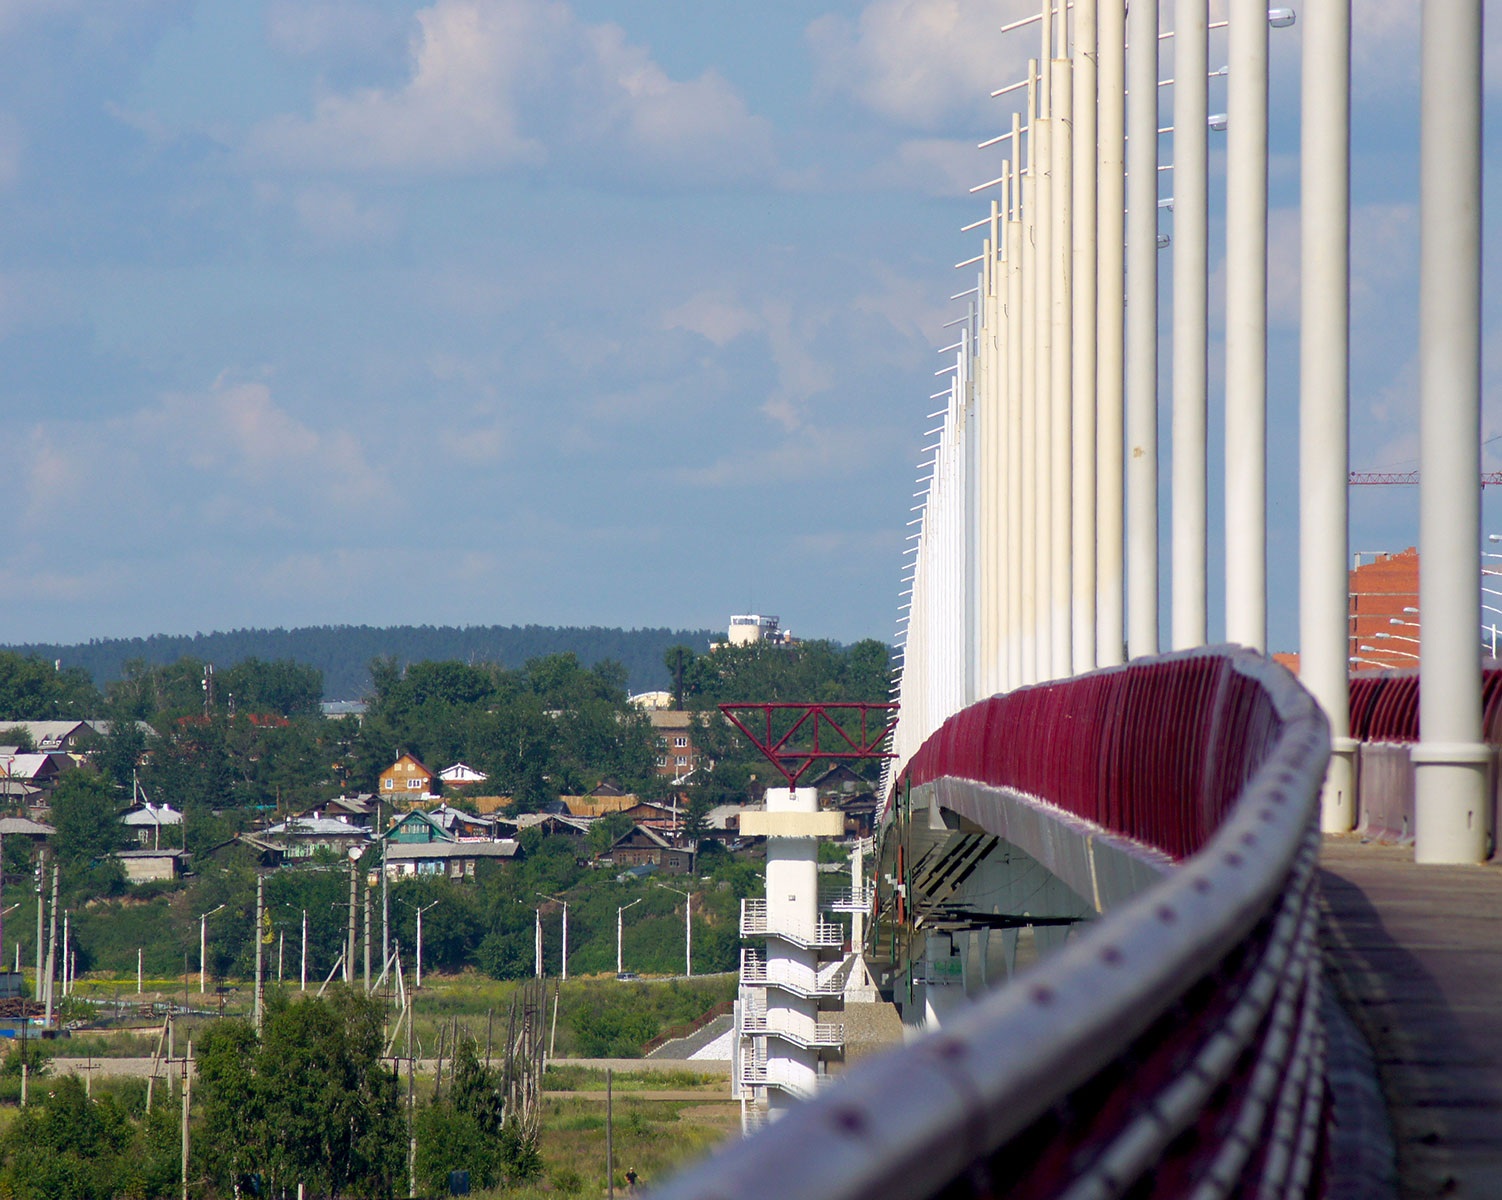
1384,708
1174,1047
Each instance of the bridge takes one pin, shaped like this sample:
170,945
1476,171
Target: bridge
1117,888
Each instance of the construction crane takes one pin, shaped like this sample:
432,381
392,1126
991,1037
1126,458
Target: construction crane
1383,478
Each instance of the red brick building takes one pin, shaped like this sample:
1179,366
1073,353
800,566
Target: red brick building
1382,592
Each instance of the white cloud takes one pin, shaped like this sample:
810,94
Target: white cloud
333,215
936,167
923,63
497,84
229,457
716,317
343,28
11,146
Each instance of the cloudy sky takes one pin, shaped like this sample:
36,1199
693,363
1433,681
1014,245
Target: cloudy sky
507,311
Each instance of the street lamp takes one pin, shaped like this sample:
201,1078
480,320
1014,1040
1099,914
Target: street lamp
563,972
619,913
1389,650
688,930
203,944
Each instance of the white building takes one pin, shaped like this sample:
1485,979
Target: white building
788,991
747,628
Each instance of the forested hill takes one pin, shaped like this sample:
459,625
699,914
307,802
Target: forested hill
343,652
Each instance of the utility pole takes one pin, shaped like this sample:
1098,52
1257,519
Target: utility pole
187,1102
303,982
411,1103
349,948
260,900
563,967
619,928
385,885
367,941
51,948
41,888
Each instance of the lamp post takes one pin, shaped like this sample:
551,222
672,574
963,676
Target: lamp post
619,927
203,945
563,965
688,929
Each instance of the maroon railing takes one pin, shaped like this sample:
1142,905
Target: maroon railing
1385,706
1174,1047
1157,751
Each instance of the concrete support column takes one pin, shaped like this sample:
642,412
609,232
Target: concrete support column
1060,374
1190,307
1015,402
1450,774
1028,354
1246,327
1324,391
1109,317
1082,538
1042,289
1142,329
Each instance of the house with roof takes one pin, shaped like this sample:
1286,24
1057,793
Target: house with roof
452,859
56,737
554,824
676,754
359,809
640,846
653,815
600,801
147,820
460,775
35,832
303,837
464,826
29,777
406,780
416,828
147,865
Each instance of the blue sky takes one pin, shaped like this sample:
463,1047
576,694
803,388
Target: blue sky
508,311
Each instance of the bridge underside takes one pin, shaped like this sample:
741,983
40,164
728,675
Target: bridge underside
995,878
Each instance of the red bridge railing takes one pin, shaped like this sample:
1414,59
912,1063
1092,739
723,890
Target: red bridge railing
1175,1047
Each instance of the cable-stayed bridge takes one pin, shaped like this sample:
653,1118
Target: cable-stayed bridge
1143,819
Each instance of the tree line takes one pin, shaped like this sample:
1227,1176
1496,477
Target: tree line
342,653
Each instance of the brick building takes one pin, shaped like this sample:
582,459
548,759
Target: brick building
1381,592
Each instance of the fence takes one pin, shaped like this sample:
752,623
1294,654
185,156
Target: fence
1173,1048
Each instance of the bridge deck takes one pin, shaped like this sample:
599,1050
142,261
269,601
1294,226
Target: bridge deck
1418,956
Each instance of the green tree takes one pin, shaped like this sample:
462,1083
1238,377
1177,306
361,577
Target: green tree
466,1130
88,829
308,1102
34,689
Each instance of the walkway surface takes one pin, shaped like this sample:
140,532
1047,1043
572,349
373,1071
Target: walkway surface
1417,955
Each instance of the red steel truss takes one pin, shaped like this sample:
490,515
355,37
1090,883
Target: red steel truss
812,720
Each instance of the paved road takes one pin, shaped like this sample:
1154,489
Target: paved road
141,1067
1418,956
